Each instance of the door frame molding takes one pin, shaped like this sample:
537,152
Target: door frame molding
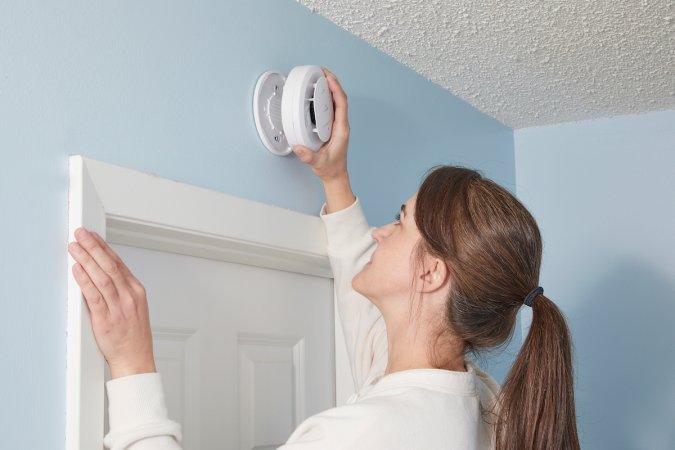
129,207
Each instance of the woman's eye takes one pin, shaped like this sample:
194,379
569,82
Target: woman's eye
398,217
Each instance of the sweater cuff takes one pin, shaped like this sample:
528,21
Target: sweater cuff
135,401
343,226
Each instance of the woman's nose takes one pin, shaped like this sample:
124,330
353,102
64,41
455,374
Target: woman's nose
381,232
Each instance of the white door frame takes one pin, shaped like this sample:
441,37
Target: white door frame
128,207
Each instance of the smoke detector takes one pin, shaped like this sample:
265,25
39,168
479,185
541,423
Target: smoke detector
297,110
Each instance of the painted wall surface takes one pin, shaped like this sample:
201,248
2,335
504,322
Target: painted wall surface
603,193
166,88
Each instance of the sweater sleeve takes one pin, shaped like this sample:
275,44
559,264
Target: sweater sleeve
138,416
349,247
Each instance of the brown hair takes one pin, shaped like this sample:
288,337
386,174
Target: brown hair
492,248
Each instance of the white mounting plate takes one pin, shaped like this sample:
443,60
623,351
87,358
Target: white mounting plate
267,112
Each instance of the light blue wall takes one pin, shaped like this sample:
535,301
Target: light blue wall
603,193
166,88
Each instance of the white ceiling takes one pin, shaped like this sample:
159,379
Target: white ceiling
527,63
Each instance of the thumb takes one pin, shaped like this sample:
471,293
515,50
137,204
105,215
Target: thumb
305,154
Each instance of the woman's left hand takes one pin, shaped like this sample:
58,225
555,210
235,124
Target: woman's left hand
117,304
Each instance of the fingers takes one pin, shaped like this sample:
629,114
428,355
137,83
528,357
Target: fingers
339,95
104,276
98,249
339,100
130,278
95,301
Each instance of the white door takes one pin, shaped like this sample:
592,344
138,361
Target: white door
245,353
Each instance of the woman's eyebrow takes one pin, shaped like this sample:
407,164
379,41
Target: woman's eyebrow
403,209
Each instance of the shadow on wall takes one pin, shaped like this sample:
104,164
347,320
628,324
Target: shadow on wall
624,342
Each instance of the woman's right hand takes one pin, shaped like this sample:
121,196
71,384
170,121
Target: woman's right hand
117,304
330,161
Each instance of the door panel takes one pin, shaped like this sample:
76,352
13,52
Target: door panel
246,353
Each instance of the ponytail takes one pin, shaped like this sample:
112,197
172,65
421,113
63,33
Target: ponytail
536,402
492,247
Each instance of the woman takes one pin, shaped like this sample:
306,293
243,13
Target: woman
446,279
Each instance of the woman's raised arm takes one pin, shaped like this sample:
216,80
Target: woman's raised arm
329,163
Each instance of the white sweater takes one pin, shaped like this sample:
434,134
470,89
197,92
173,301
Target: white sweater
425,409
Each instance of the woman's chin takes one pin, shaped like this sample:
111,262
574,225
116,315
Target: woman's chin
357,282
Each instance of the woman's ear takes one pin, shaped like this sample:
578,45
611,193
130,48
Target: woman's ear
434,275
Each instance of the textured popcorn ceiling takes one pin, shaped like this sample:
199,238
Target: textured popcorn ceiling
528,63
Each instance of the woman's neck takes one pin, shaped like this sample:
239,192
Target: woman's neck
410,350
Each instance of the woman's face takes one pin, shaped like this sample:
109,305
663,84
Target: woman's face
388,275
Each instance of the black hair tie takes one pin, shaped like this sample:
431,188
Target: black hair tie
533,293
